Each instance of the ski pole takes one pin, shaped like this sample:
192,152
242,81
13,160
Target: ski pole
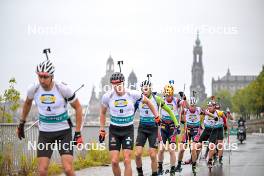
46,51
119,64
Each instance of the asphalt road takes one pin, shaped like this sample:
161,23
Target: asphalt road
246,160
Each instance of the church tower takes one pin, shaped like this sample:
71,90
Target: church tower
132,81
198,72
105,81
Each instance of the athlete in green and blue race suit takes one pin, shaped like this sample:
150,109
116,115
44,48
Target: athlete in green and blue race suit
148,130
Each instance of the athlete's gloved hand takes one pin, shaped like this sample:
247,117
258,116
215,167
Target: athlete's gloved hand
177,130
20,129
159,137
102,134
216,118
77,138
157,120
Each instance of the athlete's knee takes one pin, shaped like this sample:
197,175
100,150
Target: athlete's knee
138,154
220,146
161,151
68,170
153,155
127,158
172,152
115,162
211,146
43,170
127,161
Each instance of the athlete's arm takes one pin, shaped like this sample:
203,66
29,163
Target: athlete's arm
78,111
102,117
206,112
150,105
183,116
167,109
26,108
229,116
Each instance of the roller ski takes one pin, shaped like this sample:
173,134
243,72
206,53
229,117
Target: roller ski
215,160
160,172
194,169
178,168
189,161
220,162
210,165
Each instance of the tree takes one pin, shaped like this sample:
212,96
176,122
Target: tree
250,100
9,102
223,97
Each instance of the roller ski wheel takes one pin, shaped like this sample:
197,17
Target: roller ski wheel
178,168
210,166
220,163
187,162
160,172
194,170
167,171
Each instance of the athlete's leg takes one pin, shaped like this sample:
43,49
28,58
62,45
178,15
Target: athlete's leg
194,153
127,162
67,163
182,148
43,164
114,154
138,155
153,157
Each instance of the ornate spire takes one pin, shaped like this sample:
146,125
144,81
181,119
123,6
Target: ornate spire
228,72
198,42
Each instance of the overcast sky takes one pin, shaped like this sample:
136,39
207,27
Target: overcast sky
155,36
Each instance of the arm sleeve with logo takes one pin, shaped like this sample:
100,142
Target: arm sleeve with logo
67,92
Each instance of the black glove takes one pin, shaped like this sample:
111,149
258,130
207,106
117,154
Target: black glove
77,138
177,130
182,122
181,94
157,120
216,119
20,129
102,134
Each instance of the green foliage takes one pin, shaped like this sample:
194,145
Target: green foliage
250,100
55,169
28,167
225,99
9,102
6,158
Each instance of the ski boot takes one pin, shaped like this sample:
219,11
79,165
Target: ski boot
220,161
140,171
172,171
178,168
194,168
160,170
210,165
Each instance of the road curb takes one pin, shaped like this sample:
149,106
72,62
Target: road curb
258,134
